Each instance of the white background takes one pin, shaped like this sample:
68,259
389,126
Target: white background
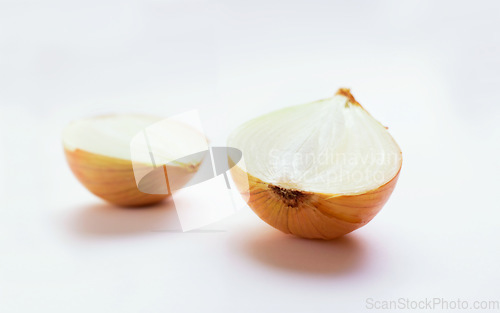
427,69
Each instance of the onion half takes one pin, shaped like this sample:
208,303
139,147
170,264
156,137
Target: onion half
111,158
317,170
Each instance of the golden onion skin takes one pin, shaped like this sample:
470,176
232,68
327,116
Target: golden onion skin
308,214
113,179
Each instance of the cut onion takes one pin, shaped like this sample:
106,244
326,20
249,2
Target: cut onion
98,151
317,170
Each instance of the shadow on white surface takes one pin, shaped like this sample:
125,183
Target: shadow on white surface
286,252
105,219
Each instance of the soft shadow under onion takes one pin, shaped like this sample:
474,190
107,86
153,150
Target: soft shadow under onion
105,219
290,253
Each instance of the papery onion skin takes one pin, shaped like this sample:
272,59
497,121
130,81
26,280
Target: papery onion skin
112,179
109,178
311,215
